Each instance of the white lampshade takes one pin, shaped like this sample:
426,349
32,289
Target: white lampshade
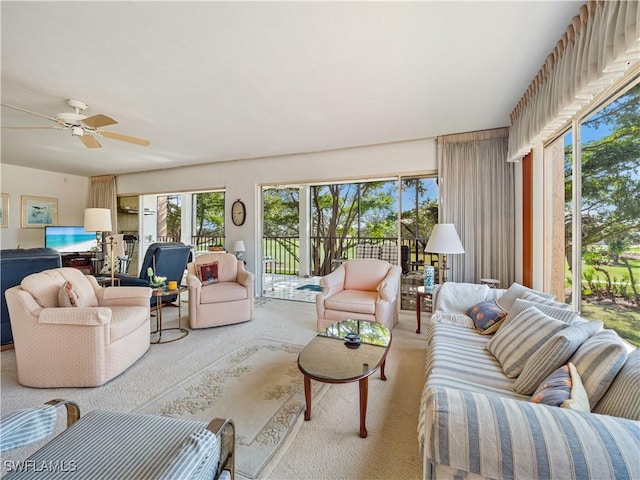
238,246
444,239
97,220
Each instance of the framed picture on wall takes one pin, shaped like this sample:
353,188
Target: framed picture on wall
38,212
4,210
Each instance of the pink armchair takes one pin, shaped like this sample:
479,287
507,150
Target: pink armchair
228,301
76,346
361,289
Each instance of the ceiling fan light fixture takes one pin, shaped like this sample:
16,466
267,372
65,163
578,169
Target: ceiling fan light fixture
77,131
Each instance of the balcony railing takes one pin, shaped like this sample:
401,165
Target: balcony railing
286,252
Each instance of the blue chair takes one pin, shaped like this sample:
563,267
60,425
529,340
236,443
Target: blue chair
15,264
170,260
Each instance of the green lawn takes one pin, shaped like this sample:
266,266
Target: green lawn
623,320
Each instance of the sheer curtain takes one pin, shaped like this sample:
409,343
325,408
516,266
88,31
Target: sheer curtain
600,46
103,194
477,196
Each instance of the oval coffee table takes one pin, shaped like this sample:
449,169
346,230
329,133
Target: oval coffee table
329,359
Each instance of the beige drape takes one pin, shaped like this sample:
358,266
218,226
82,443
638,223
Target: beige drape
103,194
477,196
599,46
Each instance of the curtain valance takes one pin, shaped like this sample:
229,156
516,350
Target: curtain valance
599,46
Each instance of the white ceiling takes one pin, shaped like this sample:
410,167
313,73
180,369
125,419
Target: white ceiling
215,81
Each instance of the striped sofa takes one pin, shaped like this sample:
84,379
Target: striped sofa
473,424
106,445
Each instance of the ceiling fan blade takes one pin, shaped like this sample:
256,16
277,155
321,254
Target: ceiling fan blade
90,141
32,127
29,112
99,120
125,138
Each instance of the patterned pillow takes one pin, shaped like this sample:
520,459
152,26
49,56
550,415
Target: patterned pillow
487,316
514,343
68,296
598,361
554,353
365,250
623,397
563,388
534,297
208,273
563,314
516,291
555,389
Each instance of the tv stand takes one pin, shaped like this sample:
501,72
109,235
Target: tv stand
81,261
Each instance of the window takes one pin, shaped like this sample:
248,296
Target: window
208,220
601,240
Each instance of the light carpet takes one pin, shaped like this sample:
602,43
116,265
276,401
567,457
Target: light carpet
259,385
326,447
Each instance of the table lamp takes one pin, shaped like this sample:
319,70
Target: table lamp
99,220
239,247
444,240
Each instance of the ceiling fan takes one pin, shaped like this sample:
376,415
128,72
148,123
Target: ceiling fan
81,126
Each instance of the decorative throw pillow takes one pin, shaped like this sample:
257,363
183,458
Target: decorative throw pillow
534,297
598,361
487,316
563,314
516,291
623,398
68,296
552,354
513,344
579,399
555,389
208,273
563,388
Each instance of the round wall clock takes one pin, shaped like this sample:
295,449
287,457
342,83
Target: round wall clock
238,212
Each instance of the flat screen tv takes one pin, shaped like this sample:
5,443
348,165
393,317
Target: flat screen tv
71,239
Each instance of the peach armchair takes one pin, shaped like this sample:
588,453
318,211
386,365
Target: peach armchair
360,289
76,346
228,299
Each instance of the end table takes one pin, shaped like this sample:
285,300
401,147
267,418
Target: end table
165,292
426,293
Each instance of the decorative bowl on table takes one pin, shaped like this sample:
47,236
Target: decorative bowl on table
352,340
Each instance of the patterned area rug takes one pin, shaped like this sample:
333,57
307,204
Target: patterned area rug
258,385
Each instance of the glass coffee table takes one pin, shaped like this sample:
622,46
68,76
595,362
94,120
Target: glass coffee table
331,358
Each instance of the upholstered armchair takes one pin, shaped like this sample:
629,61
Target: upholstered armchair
168,259
220,290
360,289
75,346
103,445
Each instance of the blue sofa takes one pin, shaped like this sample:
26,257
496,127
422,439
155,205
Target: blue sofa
15,264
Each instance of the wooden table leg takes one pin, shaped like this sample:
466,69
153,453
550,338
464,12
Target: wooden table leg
418,314
307,397
382,375
364,394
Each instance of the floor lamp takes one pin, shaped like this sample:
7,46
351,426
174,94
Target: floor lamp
99,220
444,240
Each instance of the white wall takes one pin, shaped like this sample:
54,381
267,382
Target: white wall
70,190
243,178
